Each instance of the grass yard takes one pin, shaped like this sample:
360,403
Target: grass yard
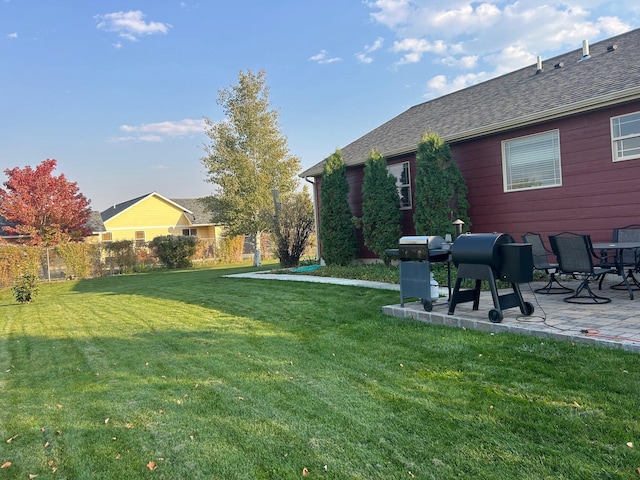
187,375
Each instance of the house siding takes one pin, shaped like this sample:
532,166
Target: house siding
596,195
152,215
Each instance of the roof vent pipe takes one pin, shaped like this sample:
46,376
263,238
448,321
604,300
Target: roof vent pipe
585,50
539,66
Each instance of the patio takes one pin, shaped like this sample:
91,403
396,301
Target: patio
615,325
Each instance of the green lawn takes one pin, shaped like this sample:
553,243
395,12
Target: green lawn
185,375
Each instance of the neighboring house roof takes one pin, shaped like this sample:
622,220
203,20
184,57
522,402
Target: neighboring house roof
193,208
609,76
197,208
95,222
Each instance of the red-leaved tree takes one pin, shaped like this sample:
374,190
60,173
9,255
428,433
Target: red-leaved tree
45,208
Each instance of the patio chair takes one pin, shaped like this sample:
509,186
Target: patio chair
630,258
575,256
541,262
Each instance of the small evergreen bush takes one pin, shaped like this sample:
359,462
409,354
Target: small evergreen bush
337,230
26,288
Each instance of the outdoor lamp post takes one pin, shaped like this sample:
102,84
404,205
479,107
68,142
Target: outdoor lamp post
458,226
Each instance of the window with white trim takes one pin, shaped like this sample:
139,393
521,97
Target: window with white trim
531,162
193,232
625,137
403,182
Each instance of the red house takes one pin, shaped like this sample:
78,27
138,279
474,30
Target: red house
547,148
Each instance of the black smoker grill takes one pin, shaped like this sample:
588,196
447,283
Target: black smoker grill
416,253
492,256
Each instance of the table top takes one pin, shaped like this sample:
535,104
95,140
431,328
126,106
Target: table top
615,245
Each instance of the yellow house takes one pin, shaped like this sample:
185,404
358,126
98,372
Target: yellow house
144,218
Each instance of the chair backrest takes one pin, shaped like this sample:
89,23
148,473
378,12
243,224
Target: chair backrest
630,233
539,252
573,251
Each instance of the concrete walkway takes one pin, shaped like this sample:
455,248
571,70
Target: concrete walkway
614,325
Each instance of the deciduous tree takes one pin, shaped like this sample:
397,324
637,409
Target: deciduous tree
47,209
293,226
247,159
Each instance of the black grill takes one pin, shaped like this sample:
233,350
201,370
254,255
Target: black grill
492,256
416,254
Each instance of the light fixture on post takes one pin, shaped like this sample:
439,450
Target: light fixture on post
458,226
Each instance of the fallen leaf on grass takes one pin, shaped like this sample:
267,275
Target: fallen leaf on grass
118,457
106,420
59,406
12,438
128,425
5,465
32,476
152,465
305,472
46,444
630,444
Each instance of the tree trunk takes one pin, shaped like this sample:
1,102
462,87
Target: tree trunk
257,256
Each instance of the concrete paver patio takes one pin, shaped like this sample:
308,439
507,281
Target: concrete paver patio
615,324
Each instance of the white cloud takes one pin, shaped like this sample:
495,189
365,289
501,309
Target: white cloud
439,85
322,58
130,25
364,57
415,48
487,38
12,35
158,132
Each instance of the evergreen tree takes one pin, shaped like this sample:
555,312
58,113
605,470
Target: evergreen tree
440,192
381,216
337,231
247,159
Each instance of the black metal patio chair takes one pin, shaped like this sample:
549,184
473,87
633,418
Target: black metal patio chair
575,255
630,258
541,262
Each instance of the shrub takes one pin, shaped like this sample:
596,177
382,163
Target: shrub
15,260
26,288
337,231
174,251
381,215
230,249
292,228
440,192
122,254
79,258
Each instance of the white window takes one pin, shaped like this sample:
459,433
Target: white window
532,162
403,182
187,232
625,135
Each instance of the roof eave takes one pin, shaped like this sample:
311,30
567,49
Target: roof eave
603,101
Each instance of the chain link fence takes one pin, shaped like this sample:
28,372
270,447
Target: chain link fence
87,260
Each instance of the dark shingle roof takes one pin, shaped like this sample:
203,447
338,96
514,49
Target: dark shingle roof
120,207
516,99
95,222
194,208
197,206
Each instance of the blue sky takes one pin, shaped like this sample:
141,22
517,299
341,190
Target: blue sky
116,91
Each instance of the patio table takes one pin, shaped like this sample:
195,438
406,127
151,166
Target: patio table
618,247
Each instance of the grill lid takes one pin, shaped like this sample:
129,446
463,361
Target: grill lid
432,242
